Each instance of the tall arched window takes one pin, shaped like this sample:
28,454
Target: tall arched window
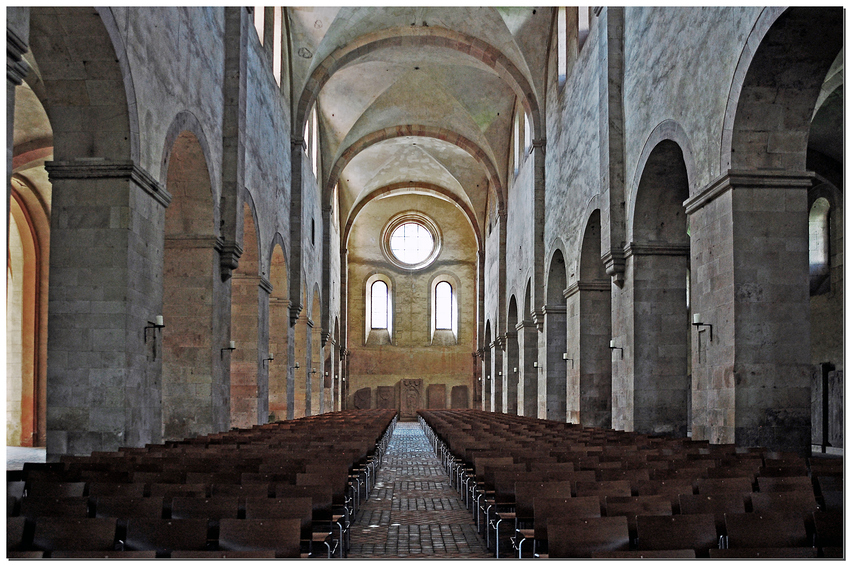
443,311
819,247
378,313
380,299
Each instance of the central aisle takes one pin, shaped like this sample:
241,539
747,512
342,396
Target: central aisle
412,511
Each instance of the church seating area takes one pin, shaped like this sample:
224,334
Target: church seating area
544,488
287,489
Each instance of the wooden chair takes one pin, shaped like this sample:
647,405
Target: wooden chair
33,507
252,490
74,534
130,490
546,509
56,489
764,553
581,538
670,488
784,484
211,509
18,534
716,504
283,536
165,536
301,508
763,529
685,531
115,554
829,529
633,506
180,554
604,489
638,554
720,486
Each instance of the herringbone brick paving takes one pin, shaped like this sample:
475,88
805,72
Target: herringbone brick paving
413,511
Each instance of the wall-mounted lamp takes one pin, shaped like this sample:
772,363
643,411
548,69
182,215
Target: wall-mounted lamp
565,358
612,346
269,358
313,371
231,348
156,324
535,364
500,373
515,370
296,366
699,324
488,377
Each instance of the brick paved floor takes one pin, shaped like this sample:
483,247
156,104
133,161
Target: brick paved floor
413,512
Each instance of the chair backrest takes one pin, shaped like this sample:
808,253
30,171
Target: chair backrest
283,536
252,490
56,489
793,501
784,484
764,553
684,531
265,508
164,536
716,504
829,528
633,506
719,486
132,490
321,495
183,507
526,491
602,489
765,529
670,488
125,507
548,509
580,538
77,534
18,535
37,506
169,490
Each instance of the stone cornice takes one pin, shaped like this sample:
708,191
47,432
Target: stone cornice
530,324
510,335
294,313
748,179
554,309
498,343
656,248
98,168
192,242
595,285
265,284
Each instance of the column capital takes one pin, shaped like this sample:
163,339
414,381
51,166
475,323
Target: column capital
615,265
597,285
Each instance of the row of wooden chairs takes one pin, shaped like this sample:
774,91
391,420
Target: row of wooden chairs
225,488
518,471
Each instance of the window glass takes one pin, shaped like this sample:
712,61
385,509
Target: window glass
380,305
443,306
411,243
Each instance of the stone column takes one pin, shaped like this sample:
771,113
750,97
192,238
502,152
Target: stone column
554,370
590,360
510,391
749,263
496,352
246,363
278,369
527,392
106,259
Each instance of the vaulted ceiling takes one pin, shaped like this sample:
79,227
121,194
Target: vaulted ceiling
417,99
